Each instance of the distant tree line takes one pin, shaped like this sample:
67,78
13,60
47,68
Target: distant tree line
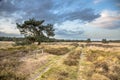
10,38
55,40
46,40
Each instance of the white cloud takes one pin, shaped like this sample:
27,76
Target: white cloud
8,25
109,19
70,30
94,30
70,25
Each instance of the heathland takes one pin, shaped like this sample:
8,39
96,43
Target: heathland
60,61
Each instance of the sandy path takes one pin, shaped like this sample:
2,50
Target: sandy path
81,67
38,75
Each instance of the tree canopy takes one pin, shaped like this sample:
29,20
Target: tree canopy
35,30
88,40
104,41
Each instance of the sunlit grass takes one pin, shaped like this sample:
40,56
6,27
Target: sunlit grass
61,71
59,62
103,64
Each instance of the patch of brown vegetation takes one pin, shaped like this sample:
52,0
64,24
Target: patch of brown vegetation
73,58
57,51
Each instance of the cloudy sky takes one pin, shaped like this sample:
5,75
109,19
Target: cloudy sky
72,19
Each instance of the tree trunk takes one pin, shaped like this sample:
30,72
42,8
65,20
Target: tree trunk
39,43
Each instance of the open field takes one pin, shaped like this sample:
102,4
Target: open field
60,61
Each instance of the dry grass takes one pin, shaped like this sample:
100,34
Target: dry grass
60,71
73,58
8,67
104,63
19,62
57,51
6,44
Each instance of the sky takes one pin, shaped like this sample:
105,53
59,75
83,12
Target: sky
72,19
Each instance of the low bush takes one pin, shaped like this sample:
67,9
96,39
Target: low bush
102,65
75,44
115,73
57,51
62,75
71,62
10,75
72,59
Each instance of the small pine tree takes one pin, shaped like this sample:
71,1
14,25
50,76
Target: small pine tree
34,30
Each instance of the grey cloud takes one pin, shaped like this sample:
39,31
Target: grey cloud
113,25
44,10
84,15
9,34
69,32
38,9
6,6
30,5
